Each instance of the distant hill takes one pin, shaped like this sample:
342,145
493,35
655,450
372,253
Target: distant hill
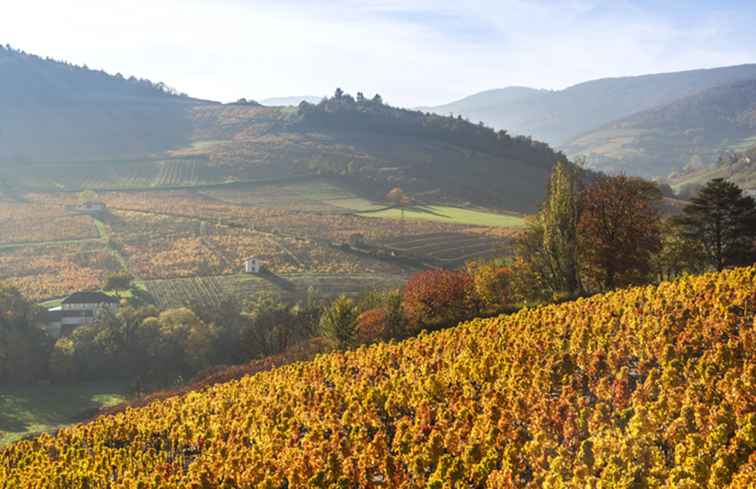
291,101
375,146
688,132
737,167
69,127
557,117
485,105
54,110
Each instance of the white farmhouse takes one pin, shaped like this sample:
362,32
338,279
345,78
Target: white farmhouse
252,265
77,309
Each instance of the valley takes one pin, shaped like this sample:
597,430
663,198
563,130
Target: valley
190,244
548,285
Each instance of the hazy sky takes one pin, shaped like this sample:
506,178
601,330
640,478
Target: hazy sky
413,52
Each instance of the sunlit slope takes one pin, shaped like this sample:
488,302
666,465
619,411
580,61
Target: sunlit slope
647,387
662,140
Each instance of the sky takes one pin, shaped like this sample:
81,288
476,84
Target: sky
412,52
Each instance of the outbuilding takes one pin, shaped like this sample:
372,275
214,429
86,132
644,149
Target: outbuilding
252,265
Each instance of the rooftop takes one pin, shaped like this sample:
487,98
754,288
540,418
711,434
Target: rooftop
90,298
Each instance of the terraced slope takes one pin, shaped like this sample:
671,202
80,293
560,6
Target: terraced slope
646,387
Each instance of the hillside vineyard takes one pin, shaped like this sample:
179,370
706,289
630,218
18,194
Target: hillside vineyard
646,387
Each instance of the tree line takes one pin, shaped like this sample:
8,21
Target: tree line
609,232
343,112
155,348
589,236
85,78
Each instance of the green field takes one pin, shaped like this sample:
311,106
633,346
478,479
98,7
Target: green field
448,214
319,195
36,408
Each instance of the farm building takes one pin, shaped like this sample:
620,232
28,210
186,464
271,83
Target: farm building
77,309
252,265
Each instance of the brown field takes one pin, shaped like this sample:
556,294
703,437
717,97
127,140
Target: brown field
43,272
22,222
168,239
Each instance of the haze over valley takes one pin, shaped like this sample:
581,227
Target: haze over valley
377,244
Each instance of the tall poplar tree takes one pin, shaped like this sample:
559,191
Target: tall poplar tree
560,216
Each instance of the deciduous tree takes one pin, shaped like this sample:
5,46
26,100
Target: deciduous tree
619,230
118,282
23,345
438,297
490,281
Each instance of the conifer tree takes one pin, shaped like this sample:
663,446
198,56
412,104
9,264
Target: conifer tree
339,321
723,220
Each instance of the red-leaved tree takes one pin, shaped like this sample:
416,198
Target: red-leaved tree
438,297
371,325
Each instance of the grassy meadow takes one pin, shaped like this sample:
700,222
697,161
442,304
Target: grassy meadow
29,409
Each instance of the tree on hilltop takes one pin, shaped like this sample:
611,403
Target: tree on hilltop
397,196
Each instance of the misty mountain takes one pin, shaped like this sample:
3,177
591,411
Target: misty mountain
485,104
557,117
291,101
53,111
690,132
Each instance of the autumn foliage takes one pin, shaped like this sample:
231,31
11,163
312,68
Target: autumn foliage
439,297
371,325
645,387
619,230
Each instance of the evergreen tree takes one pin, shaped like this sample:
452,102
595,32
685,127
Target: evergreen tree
723,220
339,321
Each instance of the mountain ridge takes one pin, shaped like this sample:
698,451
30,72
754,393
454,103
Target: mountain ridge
78,113
664,139
558,116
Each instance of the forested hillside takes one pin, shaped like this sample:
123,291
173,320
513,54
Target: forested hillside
559,116
645,387
56,111
661,140
374,147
